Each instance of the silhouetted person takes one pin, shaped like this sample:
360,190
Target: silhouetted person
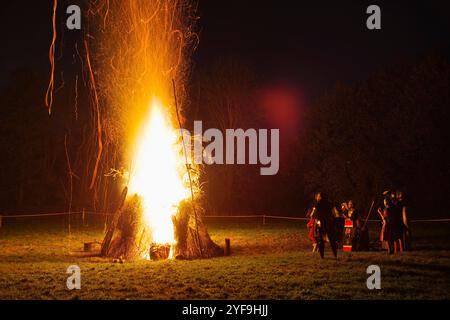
311,225
340,223
323,214
402,206
353,215
392,230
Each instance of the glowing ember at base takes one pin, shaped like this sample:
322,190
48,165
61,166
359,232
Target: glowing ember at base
158,174
160,252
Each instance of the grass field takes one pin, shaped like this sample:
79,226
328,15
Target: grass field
267,262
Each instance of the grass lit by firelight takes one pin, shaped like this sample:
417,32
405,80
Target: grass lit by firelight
267,262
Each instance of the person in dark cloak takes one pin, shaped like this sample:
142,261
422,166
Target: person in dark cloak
324,228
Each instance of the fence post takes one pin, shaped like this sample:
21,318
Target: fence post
227,249
1,221
264,220
84,219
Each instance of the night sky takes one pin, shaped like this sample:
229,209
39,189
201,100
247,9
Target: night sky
295,51
308,45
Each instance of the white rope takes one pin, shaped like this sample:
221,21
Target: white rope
306,219
432,220
54,214
40,215
252,216
286,218
207,216
99,213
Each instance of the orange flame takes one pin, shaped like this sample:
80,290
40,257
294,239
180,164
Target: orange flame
158,174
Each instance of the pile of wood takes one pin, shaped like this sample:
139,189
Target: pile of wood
129,237
160,251
191,235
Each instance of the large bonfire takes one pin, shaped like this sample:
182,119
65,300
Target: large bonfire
135,50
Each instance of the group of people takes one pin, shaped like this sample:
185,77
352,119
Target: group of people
395,232
344,227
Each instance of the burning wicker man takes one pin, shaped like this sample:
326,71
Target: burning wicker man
321,225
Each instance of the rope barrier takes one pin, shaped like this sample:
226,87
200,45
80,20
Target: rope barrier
99,213
40,215
252,216
37,215
53,214
306,219
286,218
432,220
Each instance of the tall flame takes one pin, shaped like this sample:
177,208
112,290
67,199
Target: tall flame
158,174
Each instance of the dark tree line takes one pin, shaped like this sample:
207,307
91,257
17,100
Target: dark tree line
357,140
28,156
389,132
46,161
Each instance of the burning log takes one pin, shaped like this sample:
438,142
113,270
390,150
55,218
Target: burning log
160,251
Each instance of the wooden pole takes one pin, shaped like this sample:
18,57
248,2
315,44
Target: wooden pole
227,249
368,215
87,247
84,218
1,221
188,171
264,220
112,227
